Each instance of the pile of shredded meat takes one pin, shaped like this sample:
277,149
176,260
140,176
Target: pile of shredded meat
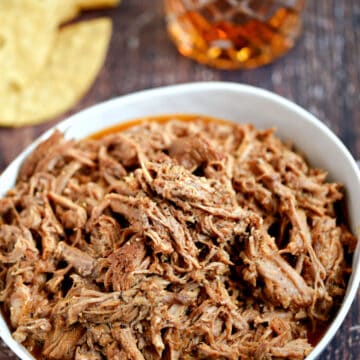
174,240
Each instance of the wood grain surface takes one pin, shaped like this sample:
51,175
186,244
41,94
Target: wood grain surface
322,74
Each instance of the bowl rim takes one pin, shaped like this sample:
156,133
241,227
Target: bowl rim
66,124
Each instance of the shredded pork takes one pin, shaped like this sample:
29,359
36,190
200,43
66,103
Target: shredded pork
177,240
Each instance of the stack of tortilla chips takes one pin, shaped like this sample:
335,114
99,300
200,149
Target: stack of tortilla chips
45,68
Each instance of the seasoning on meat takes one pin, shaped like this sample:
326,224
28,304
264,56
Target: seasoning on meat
172,240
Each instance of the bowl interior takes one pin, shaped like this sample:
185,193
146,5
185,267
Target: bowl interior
238,103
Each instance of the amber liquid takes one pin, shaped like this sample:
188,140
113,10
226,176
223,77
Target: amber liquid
231,34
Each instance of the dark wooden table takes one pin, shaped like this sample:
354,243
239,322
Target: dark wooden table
322,74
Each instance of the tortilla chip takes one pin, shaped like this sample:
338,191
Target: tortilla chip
27,32
97,4
70,9
67,10
73,65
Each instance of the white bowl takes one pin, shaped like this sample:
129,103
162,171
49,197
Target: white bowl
239,103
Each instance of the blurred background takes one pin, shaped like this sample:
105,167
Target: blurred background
321,73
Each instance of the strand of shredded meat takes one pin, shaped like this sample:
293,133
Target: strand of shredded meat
173,240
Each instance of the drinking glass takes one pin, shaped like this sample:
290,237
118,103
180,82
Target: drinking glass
231,34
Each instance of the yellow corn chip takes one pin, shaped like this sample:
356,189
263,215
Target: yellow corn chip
67,10
78,54
27,31
70,9
96,4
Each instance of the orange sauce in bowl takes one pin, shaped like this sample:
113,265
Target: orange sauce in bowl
161,119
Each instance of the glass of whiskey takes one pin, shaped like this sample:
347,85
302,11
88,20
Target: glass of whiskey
234,34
